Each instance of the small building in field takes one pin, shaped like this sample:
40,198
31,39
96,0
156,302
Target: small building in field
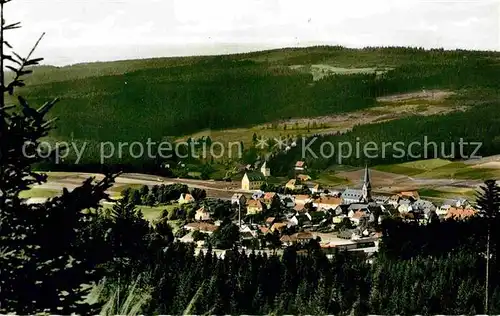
186,198
252,181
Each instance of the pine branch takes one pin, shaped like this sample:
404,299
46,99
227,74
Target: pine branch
23,62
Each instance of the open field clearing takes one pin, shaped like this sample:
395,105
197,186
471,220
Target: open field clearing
153,213
391,108
378,178
332,179
458,170
398,169
488,165
443,169
478,162
426,164
413,168
40,193
447,193
320,71
427,95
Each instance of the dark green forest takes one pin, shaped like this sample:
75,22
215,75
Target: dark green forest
136,100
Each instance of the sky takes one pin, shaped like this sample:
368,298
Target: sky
101,30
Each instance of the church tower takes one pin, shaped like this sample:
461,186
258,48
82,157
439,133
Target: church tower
367,187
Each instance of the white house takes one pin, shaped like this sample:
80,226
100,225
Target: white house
293,221
248,229
188,238
266,172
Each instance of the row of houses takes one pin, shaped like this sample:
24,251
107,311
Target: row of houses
308,214
407,203
253,179
309,210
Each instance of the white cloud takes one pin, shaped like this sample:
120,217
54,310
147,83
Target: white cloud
88,30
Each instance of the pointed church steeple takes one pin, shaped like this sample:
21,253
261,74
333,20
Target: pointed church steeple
367,186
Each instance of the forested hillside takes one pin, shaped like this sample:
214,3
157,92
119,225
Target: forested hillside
141,99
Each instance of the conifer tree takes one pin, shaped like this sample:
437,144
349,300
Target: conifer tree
489,204
45,258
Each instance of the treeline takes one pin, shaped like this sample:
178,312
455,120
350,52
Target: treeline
365,57
201,96
159,194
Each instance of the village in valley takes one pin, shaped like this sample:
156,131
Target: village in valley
301,213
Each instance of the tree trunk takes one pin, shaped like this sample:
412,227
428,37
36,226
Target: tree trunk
487,285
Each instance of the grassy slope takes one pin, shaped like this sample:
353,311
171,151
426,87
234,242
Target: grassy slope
39,193
440,169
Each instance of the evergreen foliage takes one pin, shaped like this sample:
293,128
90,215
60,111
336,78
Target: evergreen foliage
47,258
